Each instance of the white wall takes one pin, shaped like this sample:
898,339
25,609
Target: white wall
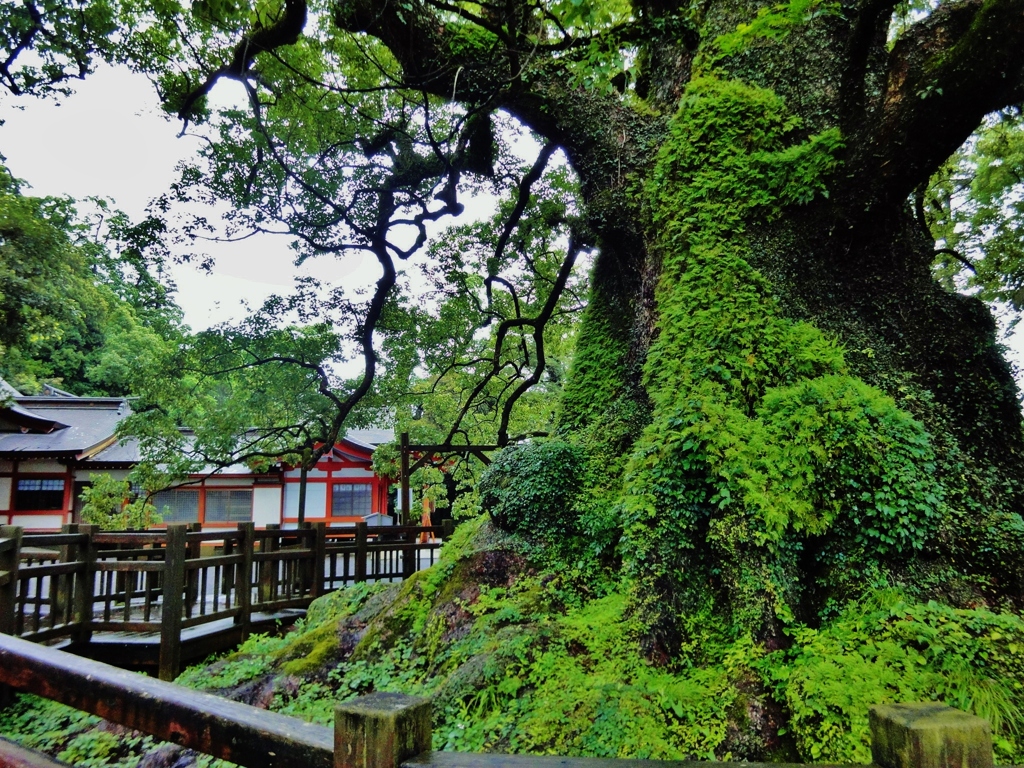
297,473
316,500
5,493
86,475
38,521
266,505
353,472
41,465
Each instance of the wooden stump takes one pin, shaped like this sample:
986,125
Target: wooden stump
380,730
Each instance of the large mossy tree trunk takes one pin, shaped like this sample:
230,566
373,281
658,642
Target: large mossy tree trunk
788,406
822,415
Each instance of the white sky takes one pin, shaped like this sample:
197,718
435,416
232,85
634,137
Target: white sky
111,140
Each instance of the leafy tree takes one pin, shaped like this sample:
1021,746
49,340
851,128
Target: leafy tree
778,390
81,300
974,207
109,503
252,393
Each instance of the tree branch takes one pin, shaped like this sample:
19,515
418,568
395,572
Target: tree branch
944,75
285,31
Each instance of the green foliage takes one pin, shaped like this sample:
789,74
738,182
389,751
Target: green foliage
762,448
885,649
532,489
253,393
109,503
974,209
772,23
249,661
85,314
521,659
70,735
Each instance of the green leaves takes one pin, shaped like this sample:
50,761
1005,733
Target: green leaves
533,489
763,453
974,208
112,505
84,313
887,648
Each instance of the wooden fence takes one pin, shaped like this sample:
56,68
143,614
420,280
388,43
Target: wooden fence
68,586
387,730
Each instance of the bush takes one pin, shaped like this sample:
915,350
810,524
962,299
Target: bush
532,489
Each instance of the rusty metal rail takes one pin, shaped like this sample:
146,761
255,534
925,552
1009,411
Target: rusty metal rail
69,586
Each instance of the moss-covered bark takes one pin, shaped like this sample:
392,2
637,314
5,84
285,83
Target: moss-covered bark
814,404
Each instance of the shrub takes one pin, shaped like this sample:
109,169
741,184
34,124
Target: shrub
532,489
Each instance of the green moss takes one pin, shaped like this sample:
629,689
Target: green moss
763,451
312,650
599,375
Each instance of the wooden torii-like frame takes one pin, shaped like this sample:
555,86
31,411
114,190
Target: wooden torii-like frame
427,454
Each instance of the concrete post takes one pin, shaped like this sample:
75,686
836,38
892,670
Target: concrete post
380,730
928,735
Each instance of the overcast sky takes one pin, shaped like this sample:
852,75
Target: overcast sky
110,140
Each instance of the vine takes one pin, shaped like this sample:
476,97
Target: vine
764,453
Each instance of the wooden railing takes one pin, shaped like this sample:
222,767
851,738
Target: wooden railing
389,730
82,581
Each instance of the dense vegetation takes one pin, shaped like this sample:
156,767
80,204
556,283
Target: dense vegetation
785,456
521,654
82,303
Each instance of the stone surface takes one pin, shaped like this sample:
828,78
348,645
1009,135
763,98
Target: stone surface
380,730
928,735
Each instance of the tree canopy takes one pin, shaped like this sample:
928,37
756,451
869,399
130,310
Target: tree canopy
775,390
82,301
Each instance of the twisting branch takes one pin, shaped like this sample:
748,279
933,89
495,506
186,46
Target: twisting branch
944,75
539,323
926,231
285,31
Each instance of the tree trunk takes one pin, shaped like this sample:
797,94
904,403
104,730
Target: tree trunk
785,404
804,409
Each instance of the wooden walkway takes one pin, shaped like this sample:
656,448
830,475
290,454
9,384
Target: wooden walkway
156,600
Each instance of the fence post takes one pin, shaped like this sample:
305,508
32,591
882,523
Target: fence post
410,553
194,551
170,615
84,586
361,552
243,577
9,560
268,567
317,586
380,730
928,735
61,586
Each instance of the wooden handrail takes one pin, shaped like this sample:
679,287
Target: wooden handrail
139,581
210,724
389,730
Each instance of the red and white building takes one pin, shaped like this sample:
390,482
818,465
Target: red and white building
52,445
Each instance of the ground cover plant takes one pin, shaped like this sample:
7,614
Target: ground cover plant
520,657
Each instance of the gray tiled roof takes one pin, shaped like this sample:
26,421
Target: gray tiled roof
370,438
63,425
90,422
